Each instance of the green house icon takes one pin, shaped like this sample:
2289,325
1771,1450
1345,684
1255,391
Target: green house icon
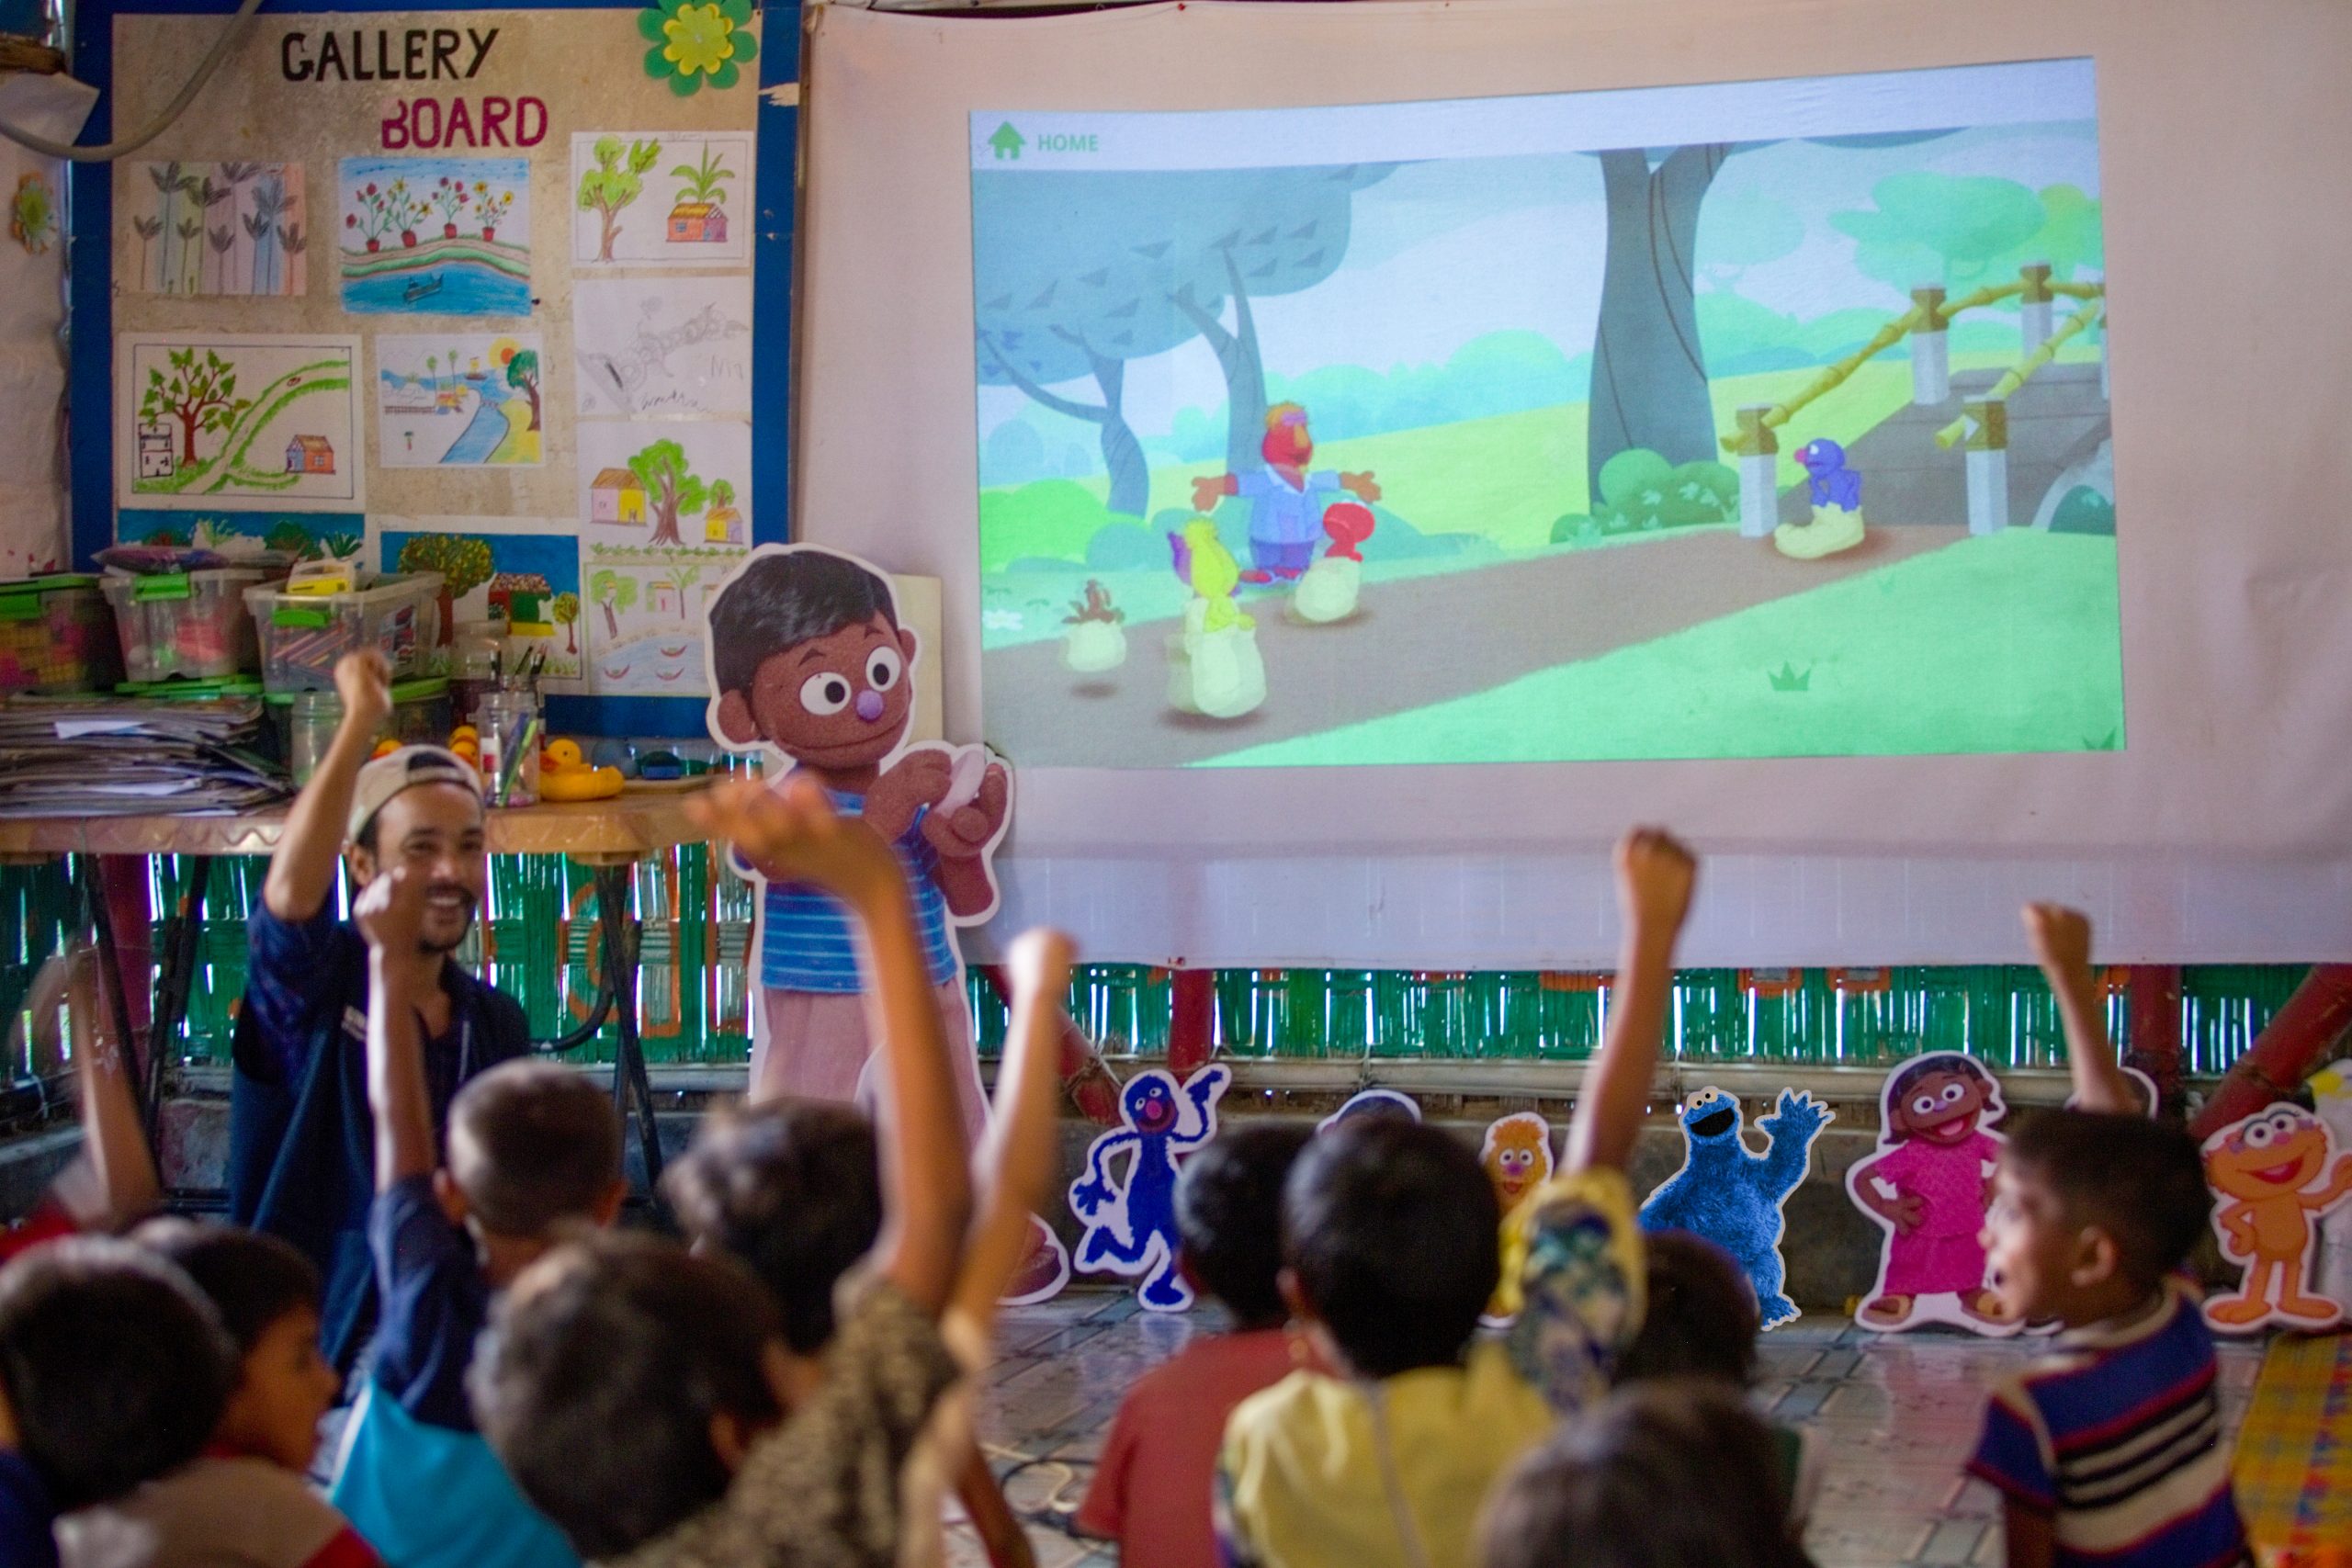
1007,141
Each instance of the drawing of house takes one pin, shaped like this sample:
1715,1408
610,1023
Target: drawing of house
309,455
698,222
723,525
662,597
157,458
521,600
617,496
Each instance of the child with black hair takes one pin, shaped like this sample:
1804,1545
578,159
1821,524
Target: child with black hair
1700,1320
2108,1450
247,1494
1158,1471
534,1154
114,1370
647,1398
1676,1474
1389,1238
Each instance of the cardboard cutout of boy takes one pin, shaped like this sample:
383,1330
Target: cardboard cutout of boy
1927,1186
808,663
2272,1174
1728,1194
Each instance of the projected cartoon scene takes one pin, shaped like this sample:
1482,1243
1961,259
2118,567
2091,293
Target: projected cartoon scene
1784,433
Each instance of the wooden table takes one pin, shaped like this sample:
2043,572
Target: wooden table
610,836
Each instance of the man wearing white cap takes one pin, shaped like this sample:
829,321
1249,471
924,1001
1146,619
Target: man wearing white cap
300,1139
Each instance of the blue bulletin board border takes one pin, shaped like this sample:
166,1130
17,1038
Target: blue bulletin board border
90,298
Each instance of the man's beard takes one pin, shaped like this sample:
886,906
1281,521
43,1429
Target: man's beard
427,941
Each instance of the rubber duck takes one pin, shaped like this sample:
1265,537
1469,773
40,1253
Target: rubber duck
465,741
565,775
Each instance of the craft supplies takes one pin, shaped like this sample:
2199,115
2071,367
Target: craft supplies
185,625
306,721
55,636
301,637
510,725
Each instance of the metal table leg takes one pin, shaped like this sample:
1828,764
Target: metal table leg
630,1081
175,978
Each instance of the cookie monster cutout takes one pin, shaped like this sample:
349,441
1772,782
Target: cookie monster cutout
1131,1228
2273,1173
1733,1197
1926,1187
1372,1102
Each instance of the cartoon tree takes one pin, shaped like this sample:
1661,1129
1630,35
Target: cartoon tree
1969,230
685,574
702,180
523,375
462,559
670,485
201,396
565,611
614,591
609,187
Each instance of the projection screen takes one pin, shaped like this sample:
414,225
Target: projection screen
1373,453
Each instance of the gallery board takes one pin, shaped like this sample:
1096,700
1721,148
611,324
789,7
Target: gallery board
2205,824
412,186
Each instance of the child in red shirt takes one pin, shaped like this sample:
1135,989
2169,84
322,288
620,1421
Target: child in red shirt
1152,1490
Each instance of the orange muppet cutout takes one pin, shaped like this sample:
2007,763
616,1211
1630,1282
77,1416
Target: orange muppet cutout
2272,1174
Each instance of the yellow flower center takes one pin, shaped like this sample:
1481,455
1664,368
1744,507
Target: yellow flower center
699,40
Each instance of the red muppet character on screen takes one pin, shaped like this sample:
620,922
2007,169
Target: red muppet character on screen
1285,514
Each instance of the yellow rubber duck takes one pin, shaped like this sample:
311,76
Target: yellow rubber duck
564,774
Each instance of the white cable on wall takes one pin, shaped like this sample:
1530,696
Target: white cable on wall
229,34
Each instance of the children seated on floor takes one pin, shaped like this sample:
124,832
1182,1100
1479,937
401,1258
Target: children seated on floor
1676,1473
1153,1482
114,1370
647,1398
2108,1450
1389,1235
534,1153
1700,1320
246,1498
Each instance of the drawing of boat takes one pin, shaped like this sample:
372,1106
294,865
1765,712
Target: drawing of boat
421,287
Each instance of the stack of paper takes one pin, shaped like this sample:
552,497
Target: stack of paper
109,757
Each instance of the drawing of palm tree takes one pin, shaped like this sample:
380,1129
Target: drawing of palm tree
291,242
167,181
148,229
222,241
702,180
208,195
238,175
269,205
191,257
432,371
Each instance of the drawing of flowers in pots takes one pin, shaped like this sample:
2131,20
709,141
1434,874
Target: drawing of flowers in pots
428,204
699,216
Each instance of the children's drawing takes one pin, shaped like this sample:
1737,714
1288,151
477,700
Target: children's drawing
436,236
220,420
1612,415
644,610
662,348
695,41
666,484
1927,1186
518,584
32,213
459,400
229,228
307,536
1735,1198
1372,1102
1131,1224
2273,1173
1517,1153
661,198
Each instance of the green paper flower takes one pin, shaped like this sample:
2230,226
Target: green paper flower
694,40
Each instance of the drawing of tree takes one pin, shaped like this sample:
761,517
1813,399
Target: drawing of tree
685,574
462,559
269,205
191,256
609,186
222,241
703,179
170,180
237,174
291,242
523,375
201,396
613,591
671,484
432,371
210,195
565,611
148,229
289,537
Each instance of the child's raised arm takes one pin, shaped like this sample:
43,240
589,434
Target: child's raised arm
1016,1164
2061,939
1655,874
926,1185
301,871
113,1182
390,913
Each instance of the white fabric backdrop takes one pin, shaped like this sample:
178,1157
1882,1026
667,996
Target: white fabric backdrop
33,502
2222,832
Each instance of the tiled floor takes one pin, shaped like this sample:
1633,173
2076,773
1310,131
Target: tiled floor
1898,1414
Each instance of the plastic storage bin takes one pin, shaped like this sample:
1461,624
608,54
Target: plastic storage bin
303,634
306,721
55,636
185,625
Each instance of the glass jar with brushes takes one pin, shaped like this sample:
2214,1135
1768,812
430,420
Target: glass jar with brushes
510,728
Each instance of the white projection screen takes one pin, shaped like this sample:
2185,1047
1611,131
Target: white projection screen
2099,649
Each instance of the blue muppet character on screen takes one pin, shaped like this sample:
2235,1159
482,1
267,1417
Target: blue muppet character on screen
1733,1197
1131,1229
